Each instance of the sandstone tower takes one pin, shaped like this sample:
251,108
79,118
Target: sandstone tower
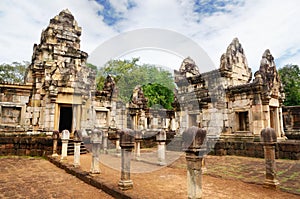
62,83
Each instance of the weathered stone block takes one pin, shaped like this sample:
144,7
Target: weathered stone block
268,135
126,137
193,139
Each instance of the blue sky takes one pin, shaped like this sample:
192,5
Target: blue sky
259,24
111,16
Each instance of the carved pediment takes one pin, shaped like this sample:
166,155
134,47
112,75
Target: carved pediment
189,67
268,75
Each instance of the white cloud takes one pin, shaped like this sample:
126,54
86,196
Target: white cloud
258,24
23,21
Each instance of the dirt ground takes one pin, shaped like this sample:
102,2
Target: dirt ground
152,181
225,177
36,178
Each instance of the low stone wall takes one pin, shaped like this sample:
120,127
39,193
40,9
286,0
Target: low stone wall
284,150
27,145
292,134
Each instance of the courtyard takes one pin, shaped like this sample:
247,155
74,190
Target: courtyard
224,177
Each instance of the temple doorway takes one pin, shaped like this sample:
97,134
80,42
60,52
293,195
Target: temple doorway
65,118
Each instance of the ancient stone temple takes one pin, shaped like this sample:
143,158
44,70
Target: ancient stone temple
59,89
60,93
225,101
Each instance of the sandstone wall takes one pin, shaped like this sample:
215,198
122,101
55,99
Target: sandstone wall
284,150
291,120
27,145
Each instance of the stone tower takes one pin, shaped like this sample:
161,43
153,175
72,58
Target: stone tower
234,66
62,84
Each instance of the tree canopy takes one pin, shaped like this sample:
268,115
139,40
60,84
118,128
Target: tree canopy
157,83
14,72
290,78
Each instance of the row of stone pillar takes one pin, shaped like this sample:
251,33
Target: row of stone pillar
161,139
194,145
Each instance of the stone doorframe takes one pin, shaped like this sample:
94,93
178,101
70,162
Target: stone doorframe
76,115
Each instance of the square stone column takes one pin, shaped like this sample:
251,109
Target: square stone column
161,138
269,139
55,137
77,143
138,139
194,145
96,140
105,141
127,144
118,148
64,149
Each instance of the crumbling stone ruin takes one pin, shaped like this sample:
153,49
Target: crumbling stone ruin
56,94
226,102
59,93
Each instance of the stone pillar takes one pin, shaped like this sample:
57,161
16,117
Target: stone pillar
173,124
155,123
127,144
118,148
138,139
194,146
269,139
55,137
96,140
77,143
64,149
143,125
161,138
105,141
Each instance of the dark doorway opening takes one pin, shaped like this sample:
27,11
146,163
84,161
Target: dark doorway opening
65,119
243,120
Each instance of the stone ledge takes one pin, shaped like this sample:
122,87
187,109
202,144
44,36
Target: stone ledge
85,177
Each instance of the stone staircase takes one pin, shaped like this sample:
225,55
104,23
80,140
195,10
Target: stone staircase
83,149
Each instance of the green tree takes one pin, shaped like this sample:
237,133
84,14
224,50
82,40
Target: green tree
158,94
116,68
157,83
290,78
14,72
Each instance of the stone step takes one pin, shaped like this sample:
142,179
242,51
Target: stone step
83,149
